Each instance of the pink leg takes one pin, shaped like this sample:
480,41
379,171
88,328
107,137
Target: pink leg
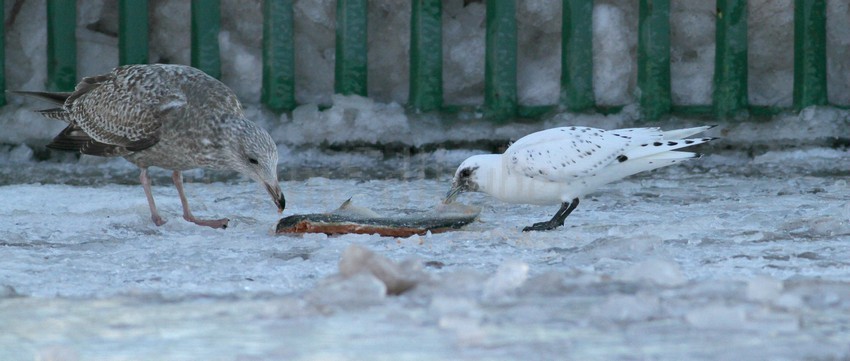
146,183
177,177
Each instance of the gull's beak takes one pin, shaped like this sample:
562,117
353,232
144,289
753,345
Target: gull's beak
452,194
277,196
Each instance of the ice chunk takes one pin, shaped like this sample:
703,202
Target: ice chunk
7,291
358,290
658,271
627,308
717,317
354,113
764,288
510,276
20,154
397,278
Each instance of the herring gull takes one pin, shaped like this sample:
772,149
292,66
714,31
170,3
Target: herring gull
170,116
560,165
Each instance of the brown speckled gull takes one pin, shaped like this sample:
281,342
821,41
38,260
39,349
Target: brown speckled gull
169,116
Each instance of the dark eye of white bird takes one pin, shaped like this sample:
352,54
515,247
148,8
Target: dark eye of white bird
253,161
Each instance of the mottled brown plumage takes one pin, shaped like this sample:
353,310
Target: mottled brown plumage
169,116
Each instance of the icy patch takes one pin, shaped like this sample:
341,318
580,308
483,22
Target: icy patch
509,276
628,308
764,288
657,271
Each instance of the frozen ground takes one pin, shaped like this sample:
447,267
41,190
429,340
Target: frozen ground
728,257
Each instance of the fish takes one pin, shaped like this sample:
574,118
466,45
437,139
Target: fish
350,218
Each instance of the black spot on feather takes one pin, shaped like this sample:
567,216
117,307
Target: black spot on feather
622,158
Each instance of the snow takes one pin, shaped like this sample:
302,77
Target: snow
701,260
739,255
770,32
614,51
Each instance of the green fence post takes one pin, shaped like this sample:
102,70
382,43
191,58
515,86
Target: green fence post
133,32
278,93
426,55
577,55
61,45
654,58
206,25
500,89
730,59
351,44
809,53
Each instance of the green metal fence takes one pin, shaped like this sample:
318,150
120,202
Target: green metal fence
500,94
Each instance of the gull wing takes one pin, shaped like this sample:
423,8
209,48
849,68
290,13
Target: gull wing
120,112
561,154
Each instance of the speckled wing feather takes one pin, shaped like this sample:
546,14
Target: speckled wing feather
560,154
120,112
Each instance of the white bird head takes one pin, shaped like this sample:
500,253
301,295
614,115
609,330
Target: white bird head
467,177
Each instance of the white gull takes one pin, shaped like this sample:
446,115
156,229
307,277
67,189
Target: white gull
560,165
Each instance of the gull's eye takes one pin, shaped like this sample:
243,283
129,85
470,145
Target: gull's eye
466,172
253,161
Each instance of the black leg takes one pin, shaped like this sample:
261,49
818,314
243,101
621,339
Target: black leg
557,220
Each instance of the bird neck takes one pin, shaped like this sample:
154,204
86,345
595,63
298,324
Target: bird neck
490,172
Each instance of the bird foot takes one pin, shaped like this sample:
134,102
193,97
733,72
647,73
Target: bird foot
157,220
542,226
213,223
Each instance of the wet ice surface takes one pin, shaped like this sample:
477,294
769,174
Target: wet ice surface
725,257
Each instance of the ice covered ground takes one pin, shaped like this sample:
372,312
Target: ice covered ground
728,257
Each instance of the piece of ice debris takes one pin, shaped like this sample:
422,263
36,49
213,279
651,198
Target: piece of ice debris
20,154
359,290
627,308
767,319
717,317
7,291
764,288
658,271
510,276
461,315
397,278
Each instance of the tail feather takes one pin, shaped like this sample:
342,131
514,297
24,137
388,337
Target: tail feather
57,98
683,133
663,147
55,113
